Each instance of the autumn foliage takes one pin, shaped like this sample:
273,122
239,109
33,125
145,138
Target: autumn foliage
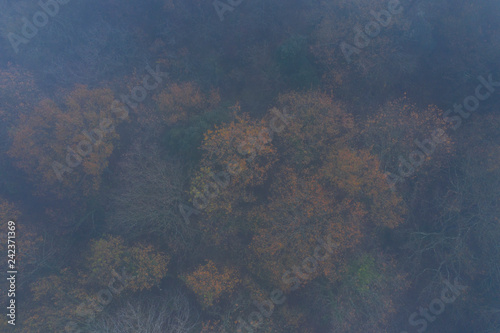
317,185
242,151
179,102
298,167
146,265
63,138
210,282
400,128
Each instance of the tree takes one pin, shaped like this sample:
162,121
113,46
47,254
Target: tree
457,235
171,313
358,52
66,149
236,158
18,92
18,96
401,128
299,217
145,201
371,290
318,186
73,298
32,250
8,211
317,126
179,102
146,265
210,282
325,187
357,175
55,302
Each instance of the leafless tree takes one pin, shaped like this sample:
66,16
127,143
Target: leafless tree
146,198
171,313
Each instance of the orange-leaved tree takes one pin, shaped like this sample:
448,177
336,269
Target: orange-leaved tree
73,298
56,302
143,263
179,102
236,158
242,150
300,216
320,188
25,236
210,282
66,147
408,139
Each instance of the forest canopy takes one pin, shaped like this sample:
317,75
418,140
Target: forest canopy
250,166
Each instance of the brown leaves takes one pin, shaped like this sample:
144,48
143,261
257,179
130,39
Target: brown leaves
393,130
72,135
308,183
181,101
357,175
319,125
241,149
143,262
209,282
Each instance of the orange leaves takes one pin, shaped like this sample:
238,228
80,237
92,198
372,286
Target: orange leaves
79,296
242,150
8,211
105,254
56,299
149,267
396,126
237,139
236,161
209,283
144,263
70,134
312,182
300,211
318,125
210,327
323,187
357,175
181,101
26,238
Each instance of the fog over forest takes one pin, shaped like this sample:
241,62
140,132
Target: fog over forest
237,166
